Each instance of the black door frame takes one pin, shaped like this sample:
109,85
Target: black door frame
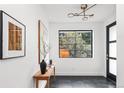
109,75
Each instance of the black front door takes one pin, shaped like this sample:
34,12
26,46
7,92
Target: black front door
111,52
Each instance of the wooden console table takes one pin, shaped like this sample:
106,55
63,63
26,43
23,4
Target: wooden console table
38,76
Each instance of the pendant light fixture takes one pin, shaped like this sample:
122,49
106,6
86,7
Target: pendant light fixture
84,8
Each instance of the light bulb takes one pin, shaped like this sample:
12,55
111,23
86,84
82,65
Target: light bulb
70,15
85,18
91,15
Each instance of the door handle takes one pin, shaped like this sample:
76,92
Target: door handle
107,57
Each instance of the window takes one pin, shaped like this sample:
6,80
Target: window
75,43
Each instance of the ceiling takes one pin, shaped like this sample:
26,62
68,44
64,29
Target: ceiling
58,12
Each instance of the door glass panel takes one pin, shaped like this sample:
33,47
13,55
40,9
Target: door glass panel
112,34
112,50
112,66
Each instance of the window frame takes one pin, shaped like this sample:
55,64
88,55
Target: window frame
75,38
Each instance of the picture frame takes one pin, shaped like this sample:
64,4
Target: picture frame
40,42
43,44
12,37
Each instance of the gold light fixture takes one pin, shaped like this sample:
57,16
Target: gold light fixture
84,8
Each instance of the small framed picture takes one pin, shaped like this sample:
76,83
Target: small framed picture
12,37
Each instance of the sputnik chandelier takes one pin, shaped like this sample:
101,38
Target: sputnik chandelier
84,8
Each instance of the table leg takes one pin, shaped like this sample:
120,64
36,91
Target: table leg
48,82
54,72
37,83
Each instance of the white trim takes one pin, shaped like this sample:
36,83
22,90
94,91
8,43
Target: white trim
79,74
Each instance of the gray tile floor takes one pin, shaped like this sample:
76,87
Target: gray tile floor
81,82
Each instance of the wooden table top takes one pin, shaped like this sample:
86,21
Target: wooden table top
47,74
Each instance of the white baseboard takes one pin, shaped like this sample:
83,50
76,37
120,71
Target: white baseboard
78,74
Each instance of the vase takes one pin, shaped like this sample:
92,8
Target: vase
43,67
50,62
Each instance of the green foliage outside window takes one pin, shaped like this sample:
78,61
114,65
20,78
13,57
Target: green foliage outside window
78,43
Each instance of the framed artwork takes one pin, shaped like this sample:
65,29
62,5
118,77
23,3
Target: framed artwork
12,37
75,43
40,42
43,44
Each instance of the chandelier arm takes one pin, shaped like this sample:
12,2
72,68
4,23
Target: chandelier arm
85,15
83,12
87,9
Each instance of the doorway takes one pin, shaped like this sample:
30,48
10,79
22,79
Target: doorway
111,51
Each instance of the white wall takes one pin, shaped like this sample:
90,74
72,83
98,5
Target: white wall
120,45
79,66
18,72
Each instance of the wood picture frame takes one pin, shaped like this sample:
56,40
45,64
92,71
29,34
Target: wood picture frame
12,37
43,44
40,42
